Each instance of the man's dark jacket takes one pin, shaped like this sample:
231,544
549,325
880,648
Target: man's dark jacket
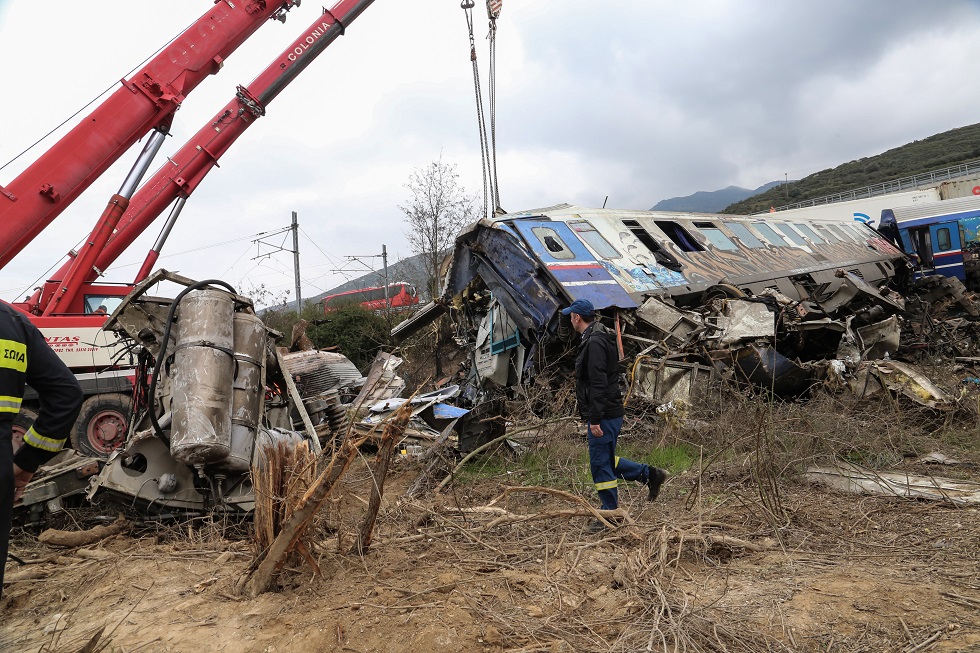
597,375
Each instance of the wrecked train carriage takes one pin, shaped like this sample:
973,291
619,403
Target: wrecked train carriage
510,275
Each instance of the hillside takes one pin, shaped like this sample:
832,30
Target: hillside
711,201
939,151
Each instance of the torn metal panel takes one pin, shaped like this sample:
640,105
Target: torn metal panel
877,341
423,318
663,381
743,320
678,327
316,372
852,289
855,479
905,379
506,267
381,381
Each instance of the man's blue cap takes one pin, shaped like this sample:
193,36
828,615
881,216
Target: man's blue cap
580,307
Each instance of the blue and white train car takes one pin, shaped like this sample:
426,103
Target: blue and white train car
944,237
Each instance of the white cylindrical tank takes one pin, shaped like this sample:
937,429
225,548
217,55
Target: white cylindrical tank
250,339
203,371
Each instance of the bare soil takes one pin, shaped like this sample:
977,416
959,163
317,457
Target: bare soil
722,561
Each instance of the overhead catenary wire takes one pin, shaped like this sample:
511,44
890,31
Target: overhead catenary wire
488,146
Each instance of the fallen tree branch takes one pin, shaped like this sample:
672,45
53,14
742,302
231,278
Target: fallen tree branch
55,537
306,509
392,434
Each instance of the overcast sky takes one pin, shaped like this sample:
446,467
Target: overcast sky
637,100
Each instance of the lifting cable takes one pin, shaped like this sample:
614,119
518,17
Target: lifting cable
488,147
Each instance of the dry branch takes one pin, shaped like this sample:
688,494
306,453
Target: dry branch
306,509
55,537
392,434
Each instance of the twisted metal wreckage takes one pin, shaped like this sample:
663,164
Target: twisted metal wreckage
779,304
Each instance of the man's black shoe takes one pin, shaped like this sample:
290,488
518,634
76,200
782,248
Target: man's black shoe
657,478
595,526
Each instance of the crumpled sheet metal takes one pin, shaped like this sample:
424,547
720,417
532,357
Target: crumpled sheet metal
855,479
677,326
665,381
905,379
321,371
743,320
381,382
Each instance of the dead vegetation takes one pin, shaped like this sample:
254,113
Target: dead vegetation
740,554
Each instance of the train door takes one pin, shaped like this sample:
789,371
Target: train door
947,254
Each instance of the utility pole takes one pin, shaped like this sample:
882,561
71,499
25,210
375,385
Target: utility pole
384,262
260,242
299,296
786,185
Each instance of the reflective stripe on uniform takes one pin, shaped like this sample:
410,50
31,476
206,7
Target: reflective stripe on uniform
616,462
608,485
9,404
38,441
13,355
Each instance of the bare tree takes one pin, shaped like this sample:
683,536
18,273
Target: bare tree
438,208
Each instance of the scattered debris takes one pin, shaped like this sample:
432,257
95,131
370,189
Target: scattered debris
855,479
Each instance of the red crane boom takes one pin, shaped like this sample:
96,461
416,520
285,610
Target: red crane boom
145,101
184,171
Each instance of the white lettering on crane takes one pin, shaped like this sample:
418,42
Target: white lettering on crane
303,47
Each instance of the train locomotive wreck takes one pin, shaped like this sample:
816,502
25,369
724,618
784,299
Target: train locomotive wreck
781,304
211,390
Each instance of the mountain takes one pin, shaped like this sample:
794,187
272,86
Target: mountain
711,201
944,150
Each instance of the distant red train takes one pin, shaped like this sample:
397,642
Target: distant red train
401,295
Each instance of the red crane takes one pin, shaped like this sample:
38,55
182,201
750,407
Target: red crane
144,102
184,171
65,309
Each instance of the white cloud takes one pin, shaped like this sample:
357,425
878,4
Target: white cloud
636,100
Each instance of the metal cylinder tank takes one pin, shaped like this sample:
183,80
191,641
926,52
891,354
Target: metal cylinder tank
247,389
203,371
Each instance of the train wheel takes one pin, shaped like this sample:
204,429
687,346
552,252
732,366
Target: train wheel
721,291
101,426
23,421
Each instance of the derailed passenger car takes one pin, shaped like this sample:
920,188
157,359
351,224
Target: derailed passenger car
759,298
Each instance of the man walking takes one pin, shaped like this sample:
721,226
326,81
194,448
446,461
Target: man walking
26,358
600,403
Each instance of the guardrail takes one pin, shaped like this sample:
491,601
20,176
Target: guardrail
893,186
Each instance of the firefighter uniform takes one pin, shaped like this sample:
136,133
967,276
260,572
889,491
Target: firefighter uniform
25,358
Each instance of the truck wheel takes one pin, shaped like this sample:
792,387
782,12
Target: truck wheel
23,421
101,426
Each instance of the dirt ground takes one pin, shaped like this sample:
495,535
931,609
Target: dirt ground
718,563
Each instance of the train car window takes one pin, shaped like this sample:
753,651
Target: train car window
552,242
840,233
742,232
660,254
792,235
942,239
678,235
827,234
770,234
715,236
809,233
594,239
